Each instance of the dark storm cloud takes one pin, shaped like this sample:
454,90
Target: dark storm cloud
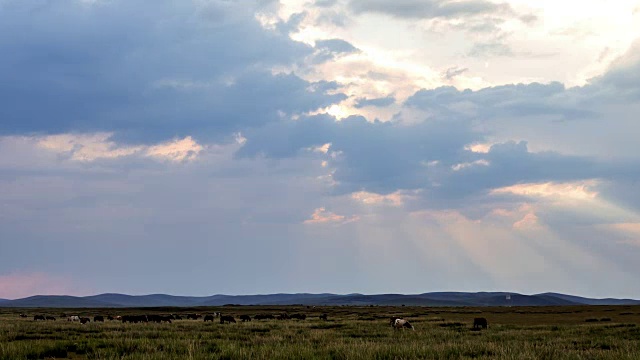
431,155
379,157
533,99
147,73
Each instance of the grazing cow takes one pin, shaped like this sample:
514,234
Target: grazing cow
39,317
245,318
193,316
99,318
177,317
159,318
264,317
392,320
208,318
299,316
50,318
283,316
84,320
134,319
323,317
401,324
480,323
227,318
109,317
23,315
73,318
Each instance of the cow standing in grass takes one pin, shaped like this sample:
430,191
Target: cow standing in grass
39,317
227,318
480,323
245,318
402,324
208,318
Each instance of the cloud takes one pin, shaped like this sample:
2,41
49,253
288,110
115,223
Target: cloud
452,72
331,49
181,71
322,216
414,9
377,102
490,49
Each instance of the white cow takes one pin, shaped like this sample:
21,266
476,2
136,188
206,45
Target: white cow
401,324
73,318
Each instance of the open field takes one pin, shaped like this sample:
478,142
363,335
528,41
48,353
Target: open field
580,332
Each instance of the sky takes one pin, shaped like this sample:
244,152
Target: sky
201,147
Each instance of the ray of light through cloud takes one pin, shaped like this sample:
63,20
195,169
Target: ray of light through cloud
492,143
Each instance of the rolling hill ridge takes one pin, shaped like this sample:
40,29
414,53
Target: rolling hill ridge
426,299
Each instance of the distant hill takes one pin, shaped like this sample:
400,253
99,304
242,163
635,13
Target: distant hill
426,299
588,301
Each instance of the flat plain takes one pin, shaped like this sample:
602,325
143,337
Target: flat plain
350,332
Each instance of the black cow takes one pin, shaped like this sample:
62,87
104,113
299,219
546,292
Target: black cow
264,317
84,320
392,320
245,318
99,318
208,318
109,317
323,317
299,316
480,323
38,317
134,319
50,318
193,316
159,318
227,318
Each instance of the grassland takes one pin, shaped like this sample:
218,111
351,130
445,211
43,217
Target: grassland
581,332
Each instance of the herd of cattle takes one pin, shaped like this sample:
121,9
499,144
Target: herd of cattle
395,322
168,318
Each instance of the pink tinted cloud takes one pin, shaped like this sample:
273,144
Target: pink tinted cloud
322,216
20,285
